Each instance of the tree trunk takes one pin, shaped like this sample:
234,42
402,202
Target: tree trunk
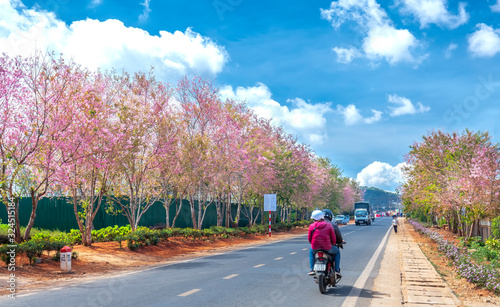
12,207
78,221
229,218
193,213
34,205
250,215
256,217
133,216
224,204
238,212
166,205
88,222
178,210
218,207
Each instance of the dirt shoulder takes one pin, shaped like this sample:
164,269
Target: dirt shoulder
468,293
105,259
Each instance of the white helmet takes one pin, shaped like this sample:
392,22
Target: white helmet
317,215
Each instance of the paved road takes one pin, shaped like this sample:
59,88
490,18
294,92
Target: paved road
273,274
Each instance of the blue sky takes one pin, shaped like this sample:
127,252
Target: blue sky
357,80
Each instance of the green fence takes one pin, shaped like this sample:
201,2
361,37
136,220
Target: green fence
58,213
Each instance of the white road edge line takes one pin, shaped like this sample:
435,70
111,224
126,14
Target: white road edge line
258,265
230,276
189,292
353,295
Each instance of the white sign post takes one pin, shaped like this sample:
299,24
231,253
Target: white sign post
269,205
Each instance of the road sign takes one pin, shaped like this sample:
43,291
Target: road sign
269,202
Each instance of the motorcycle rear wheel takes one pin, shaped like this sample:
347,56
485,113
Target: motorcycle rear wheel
322,283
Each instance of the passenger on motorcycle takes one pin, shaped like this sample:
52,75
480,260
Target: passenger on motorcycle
338,235
321,236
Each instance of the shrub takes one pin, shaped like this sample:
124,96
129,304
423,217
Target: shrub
49,243
109,233
493,244
208,233
164,234
5,255
119,239
75,236
218,230
32,249
132,241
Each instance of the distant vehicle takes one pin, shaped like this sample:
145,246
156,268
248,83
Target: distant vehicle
342,219
377,215
363,213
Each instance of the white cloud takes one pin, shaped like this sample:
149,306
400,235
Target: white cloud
485,42
381,175
109,43
303,118
391,44
145,13
435,12
496,7
405,106
449,51
383,40
352,116
346,55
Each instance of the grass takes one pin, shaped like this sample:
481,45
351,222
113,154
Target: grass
4,231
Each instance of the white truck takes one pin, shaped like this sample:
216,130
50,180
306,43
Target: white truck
363,213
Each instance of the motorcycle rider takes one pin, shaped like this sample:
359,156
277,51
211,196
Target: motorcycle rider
329,218
321,236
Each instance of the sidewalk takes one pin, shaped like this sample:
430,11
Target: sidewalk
407,278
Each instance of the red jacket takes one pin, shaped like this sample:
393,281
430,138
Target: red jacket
323,237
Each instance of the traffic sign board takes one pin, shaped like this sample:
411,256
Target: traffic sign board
269,202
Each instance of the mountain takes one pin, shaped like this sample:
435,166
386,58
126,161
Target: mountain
382,200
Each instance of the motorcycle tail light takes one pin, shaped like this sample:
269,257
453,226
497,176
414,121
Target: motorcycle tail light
320,254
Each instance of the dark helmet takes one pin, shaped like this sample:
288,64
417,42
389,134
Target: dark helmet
328,214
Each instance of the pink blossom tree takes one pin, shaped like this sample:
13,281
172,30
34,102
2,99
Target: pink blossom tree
91,150
37,90
140,101
454,176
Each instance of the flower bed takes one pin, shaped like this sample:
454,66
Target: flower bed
483,275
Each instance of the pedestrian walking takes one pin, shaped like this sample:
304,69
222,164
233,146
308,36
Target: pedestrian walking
395,224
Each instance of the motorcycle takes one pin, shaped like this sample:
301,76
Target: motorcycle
324,266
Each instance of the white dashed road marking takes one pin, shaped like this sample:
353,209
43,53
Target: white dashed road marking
293,253
279,258
189,292
258,265
231,276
